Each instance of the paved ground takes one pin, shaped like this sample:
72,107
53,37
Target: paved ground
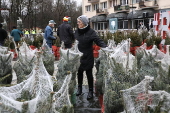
87,106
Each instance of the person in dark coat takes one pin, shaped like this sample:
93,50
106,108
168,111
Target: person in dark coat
16,34
86,36
3,35
65,32
141,26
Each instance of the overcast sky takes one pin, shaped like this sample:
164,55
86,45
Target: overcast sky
78,2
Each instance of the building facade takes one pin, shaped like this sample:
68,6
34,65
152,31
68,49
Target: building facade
122,14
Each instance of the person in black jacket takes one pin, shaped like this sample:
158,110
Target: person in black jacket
86,36
3,35
65,32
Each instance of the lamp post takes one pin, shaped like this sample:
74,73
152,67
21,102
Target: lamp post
132,16
4,13
19,24
35,8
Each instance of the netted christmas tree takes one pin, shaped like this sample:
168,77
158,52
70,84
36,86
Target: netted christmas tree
118,70
24,65
120,75
48,58
36,94
6,65
101,67
3,50
69,61
140,98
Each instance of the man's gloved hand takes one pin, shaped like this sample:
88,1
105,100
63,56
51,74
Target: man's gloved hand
107,49
104,48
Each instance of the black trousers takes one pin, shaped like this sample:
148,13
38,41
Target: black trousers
89,78
68,46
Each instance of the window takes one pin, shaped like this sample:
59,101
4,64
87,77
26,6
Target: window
95,6
88,8
136,1
120,24
113,3
104,5
100,26
123,2
136,24
105,25
123,24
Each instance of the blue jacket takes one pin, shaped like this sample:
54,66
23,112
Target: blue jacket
49,35
16,34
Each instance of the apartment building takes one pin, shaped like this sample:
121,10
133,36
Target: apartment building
122,14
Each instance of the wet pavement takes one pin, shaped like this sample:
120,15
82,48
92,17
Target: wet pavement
82,105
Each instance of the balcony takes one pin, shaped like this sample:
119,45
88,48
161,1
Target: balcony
148,4
93,1
141,4
101,11
119,8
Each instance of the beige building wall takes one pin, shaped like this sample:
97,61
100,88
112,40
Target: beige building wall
90,13
162,4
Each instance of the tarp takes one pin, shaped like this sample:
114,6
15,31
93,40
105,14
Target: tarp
117,15
139,13
98,18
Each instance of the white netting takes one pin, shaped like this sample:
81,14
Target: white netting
25,51
24,65
62,102
69,61
140,98
136,93
122,55
117,71
5,65
121,70
3,50
35,95
156,53
5,13
48,58
165,61
101,66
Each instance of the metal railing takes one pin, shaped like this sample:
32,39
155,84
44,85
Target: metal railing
102,11
122,8
92,1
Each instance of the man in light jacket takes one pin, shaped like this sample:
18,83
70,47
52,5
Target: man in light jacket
49,33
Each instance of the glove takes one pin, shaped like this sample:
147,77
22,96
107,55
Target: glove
107,49
104,48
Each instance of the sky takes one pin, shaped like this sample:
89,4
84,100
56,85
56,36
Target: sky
79,2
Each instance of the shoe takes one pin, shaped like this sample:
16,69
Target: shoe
79,91
90,95
17,49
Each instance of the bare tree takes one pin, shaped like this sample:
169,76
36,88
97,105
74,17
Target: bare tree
37,13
